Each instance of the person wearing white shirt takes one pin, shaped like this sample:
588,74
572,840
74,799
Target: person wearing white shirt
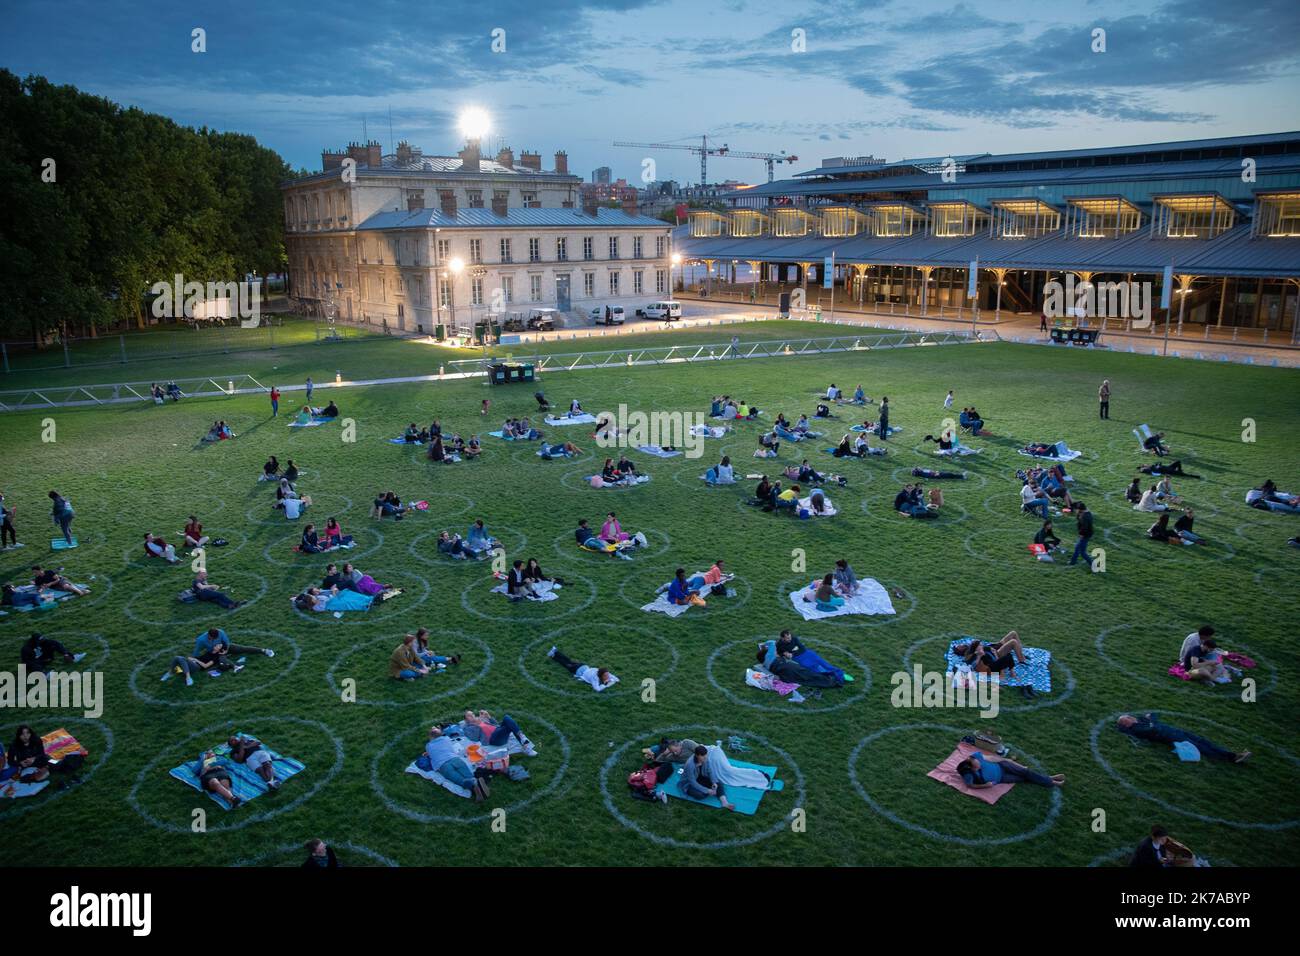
597,677
1032,499
1151,501
947,402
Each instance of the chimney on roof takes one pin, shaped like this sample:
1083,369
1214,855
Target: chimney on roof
469,156
562,162
589,204
629,204
531,161
500,201
506,157
447,199
329,159
403,153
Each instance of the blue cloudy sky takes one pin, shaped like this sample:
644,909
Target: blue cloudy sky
895,78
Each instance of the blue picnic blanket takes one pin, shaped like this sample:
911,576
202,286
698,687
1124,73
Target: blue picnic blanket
245,784
893,430
745,799
59,597
1034,672
349,600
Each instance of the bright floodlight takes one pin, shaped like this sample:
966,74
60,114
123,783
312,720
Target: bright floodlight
677,258
474,122
456,265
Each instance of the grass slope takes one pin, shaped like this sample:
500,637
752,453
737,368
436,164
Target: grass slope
1112,634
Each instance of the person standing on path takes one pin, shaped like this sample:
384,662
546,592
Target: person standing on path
1103,397
309,388
1085,534
275,401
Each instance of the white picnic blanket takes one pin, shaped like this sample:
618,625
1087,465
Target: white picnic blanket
708,431
661,605
806,503
1063,453
546,590
871,598
623,483
583,419
656,451
957,450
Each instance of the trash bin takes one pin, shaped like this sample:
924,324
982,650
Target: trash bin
440,332
480,331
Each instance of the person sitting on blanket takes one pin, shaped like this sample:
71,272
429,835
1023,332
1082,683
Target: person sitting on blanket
987,658
981,770
833,393
768,446
845,581
845,448
822,411
334,536
310,543
473,448
39,652
1174,468
809,474
597,677
252,753
437,452
611,475
606,428
575,409
730,410
825,595
303,417
329,411
1150,501
518,587
721,473
334,579
534,575
696,782
214,777
412,434
270,470
1156,444
763,494
612,532
859,396
1133,493
193,534
588,540
802,426
477,540
10,596
862,447
26,756
944,441
405,662
1202,659
681,591
1159,849
1047,537
935,475
1149,727
156,547
446,761
789,498
51,579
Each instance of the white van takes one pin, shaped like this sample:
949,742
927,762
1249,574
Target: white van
668,311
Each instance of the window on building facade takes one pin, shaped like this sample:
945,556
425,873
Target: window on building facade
613,247
636,247
507,289
444,249
562,249
534,250
476,290
476,251
613,283
587,252
589,284
476,199
505,251
530,201
659,247
660,284
444,293
638,282
535,288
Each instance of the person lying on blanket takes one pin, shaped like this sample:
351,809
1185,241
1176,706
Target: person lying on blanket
597,677
214,660
559,450
445,759
788,659
51,579
987,658
405,663
1040,450
716,578
477,540
156,547
11,596
936,475
363,583
1148,727
1267,497
214,776
253,754
485,729
315,599
39,653
981,770
682,591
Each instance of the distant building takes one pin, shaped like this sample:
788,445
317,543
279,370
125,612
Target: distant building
596,194
373,238
601,175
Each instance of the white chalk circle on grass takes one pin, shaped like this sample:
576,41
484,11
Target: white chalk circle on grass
526,720
152,667
9,809
1169,682
386,610
785,587
659,544
573,480
1173,808
424,547
1209,551
787,765
284,548
447,513
887,512
298,851
1049,821
561,607
324,505
1280,592
902,475
1003,691
197,613
134,556
1020,549
856,691
527,455
442,642
714,606
628,685
243,816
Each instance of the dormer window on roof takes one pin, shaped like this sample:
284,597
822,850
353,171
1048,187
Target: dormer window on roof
840,222
894,219
791,223
953,218
706,224
1191,216
1277,215
749,223
1100,217
1023,219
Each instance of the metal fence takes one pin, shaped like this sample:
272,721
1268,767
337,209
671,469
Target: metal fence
75,396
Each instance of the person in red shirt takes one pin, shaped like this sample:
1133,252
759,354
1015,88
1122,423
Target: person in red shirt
275,401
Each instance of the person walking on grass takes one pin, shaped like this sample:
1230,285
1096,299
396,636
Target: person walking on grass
309,388
275,402
1103,398
1085,529
7,532
61,514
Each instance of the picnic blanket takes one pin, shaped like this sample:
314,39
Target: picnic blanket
946,773
871,598
59,744
13,790
439,779
58,598
661,605
583,419
957,450
764,679
547,589
745,799
1033,673
657,451
708,431
244,783
403,441
1061,451
705,478
805,504
58,544
311,424
348,600
622,483
893,429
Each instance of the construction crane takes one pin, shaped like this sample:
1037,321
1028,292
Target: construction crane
705,151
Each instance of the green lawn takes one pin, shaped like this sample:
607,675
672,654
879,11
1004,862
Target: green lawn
1112,635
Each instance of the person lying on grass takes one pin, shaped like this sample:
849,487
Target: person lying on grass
362,582
10,596
214,639
213,661
981,770
935,474
559,450
214,593
1148,727
39,653
1174,468
52,579
156,547
597,677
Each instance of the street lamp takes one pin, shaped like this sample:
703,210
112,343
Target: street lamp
677,261
455,266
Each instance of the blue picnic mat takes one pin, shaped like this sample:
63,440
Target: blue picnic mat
1034,672
349,600
245,783
745,799
59,597
58,544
